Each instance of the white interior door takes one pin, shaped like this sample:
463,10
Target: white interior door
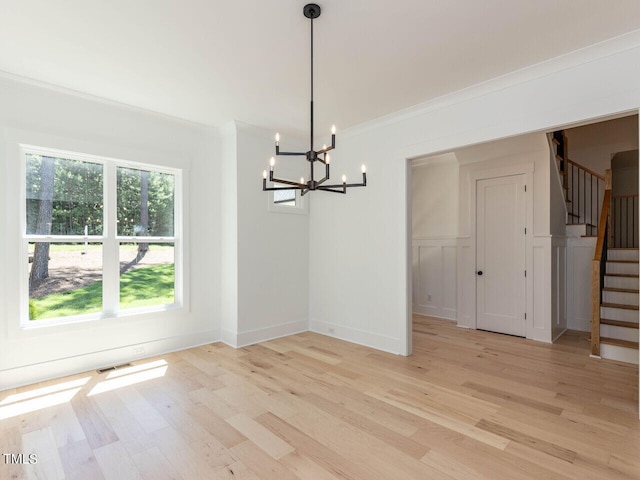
500,255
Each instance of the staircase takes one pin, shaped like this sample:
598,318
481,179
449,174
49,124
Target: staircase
583,190
593,211
614,291
619,306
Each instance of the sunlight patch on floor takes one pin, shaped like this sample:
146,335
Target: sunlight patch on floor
130,376
40,398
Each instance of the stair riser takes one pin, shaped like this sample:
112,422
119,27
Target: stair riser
621,282
576,230
628,268
624,298
622,255
621,333
622,354
619,314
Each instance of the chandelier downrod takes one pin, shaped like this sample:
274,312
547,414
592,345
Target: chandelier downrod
311,11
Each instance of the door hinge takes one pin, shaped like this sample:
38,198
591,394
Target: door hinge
525,230
525,188
525,315
525,273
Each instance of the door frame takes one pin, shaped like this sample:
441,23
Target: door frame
526,169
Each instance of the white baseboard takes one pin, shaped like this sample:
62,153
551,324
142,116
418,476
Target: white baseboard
360,337
251,337
30,374
435,312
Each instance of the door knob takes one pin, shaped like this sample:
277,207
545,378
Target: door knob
479,273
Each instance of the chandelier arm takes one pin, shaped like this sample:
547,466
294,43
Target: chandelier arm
300,154
340,185
289,182
281,188
325,150
326,174
327,189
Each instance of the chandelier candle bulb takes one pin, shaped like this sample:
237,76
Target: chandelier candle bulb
364,169
327,159
264,174
344,179
277,138
333,129
272,162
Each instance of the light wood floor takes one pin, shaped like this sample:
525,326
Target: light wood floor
466,405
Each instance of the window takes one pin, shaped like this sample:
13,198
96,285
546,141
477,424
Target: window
101,237
286,201
284,197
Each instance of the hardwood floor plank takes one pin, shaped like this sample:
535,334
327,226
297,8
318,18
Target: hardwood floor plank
182,456
42,443
260,436
96,427
261,464
509,399
79,461
115,463
528,440
454,424
153,465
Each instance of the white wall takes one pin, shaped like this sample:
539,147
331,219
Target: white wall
435,225
435,199
273,247
580,253
624,173
593,145
359,285
49,118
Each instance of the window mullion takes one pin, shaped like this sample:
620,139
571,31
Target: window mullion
110,259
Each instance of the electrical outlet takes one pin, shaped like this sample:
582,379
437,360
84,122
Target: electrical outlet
138,351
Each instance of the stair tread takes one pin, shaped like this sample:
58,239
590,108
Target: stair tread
555,141
622,261
619,305
630,275
623,290
619,343
618,323
622,248
589,236
582,223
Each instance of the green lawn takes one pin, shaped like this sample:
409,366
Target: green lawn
141,287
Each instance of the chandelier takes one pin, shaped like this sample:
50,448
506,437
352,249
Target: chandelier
311,11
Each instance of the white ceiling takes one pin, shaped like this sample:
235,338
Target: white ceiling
209,61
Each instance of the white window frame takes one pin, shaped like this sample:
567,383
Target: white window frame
110,239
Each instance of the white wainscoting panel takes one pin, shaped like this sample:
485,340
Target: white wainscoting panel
579,256
434,277
558,286
466,309
540,327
